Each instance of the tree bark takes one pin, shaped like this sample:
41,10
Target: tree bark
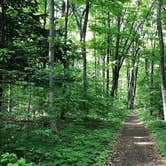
2,43
108,57
10,98
115,78
45,14
29,99
65,12
66,21
83,41
51,66
82,24
1,92
132,88
152,80
147,69
162,58
116,66
103,72
132,79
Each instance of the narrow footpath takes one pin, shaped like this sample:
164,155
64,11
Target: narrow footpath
135,146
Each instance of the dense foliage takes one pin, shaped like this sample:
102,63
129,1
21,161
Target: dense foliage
85,141
69,72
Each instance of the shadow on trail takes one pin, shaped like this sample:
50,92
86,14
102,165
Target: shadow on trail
135,147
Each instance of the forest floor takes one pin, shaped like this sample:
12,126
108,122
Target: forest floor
135,146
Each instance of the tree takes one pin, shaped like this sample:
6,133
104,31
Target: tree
117,66
82,23
51,66
108,55
132,72
162,58
15,51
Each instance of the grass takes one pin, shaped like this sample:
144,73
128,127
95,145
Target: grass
158,130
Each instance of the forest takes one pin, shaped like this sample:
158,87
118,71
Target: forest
72,72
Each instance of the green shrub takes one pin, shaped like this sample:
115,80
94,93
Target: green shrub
157,128
10,159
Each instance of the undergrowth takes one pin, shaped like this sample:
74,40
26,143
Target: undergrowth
84,142
157,128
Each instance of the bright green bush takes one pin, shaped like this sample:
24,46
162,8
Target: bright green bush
10,159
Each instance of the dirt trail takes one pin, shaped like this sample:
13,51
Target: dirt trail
135,147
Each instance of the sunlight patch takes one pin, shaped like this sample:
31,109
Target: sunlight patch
144,143
139,137
130,123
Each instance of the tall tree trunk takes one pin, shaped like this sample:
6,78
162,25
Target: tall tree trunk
51,67
132,88
95,63
3,39
147,80
108,56
2,43
152,81
45,14
65,63
152,73
29,99
66,21
147,70
82,23
162,59
83,49
1,91
130,102
132,79
96,71
10,98
84,77
103,73
115,78
116,66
